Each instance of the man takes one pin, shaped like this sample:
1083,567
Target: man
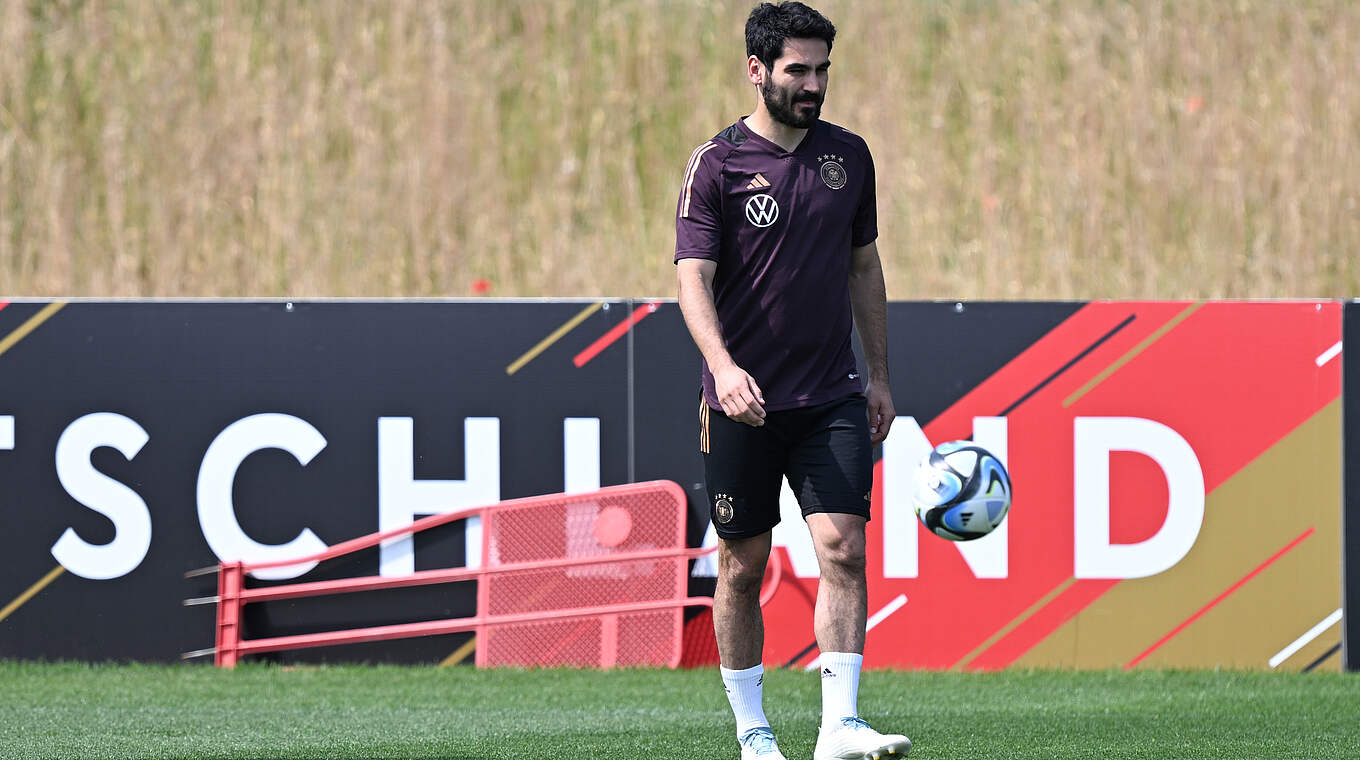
777,264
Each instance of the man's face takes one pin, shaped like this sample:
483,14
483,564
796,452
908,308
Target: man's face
795,86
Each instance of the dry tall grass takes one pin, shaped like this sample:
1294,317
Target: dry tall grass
1075,149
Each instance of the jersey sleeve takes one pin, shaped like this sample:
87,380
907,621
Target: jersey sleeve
698,212
864,230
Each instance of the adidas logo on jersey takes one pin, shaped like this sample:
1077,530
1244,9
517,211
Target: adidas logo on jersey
758,182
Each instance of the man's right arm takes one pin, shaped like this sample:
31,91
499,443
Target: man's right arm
737,391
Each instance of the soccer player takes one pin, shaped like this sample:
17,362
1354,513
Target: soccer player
777,264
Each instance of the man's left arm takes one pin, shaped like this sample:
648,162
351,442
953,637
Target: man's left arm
869,301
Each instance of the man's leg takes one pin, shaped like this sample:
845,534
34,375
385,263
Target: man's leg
831,472
842,593
839,620
740,632
739,628
737,622
742,474
842,606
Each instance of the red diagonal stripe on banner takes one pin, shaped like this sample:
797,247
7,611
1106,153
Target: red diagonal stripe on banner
1040,625
1030,389
1284,332
1019,382
616,332
1231,590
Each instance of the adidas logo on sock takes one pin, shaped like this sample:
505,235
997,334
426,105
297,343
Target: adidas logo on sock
826,673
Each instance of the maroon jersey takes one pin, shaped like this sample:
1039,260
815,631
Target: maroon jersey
780,225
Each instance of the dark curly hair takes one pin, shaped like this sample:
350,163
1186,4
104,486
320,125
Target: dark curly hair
769,25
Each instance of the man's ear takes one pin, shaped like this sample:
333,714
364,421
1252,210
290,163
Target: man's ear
755,70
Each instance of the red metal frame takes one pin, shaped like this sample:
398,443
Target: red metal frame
232,595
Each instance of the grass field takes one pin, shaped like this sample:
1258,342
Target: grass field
258,711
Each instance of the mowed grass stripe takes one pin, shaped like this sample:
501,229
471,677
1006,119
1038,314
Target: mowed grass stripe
263,711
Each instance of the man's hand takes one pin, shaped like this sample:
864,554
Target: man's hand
739,395
881,411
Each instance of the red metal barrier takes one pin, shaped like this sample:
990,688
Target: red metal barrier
593,580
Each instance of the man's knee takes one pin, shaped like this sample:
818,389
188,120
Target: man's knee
842,553
741,566
742,583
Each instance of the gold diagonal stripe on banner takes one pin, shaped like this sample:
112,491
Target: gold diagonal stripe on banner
1136,350
555,336
32,324
31,592
460,653
1015,623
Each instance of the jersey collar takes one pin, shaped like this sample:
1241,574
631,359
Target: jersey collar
774,147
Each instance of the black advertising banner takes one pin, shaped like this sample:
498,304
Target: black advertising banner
1350,556
139,440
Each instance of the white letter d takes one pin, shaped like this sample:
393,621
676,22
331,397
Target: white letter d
1094,556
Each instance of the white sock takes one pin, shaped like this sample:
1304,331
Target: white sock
840,686
744,693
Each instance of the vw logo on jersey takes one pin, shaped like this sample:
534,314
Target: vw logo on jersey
761,210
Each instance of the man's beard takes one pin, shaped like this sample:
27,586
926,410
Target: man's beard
782,106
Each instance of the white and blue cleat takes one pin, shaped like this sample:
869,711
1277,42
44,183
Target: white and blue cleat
853,739
759,744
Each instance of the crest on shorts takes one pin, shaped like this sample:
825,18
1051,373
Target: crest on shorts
722,508
833,172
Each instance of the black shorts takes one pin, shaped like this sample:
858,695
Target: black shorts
824,451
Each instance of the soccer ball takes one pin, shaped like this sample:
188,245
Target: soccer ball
962,491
